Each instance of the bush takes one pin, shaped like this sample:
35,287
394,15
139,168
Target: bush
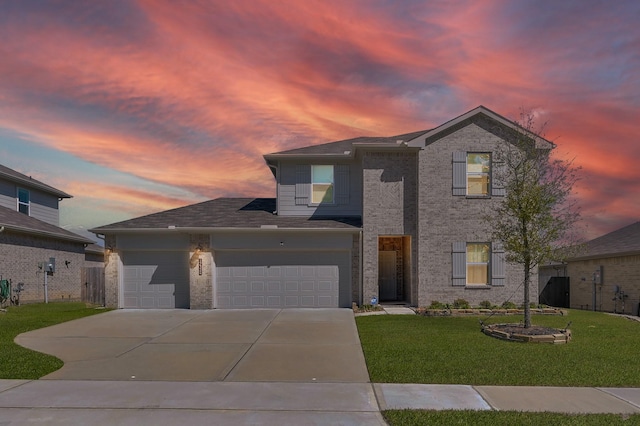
485,304
437,305
461,304
509,305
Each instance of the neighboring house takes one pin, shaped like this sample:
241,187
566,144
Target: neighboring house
606,275
396,219
30,236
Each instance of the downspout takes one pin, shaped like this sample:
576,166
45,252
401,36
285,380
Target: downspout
361,272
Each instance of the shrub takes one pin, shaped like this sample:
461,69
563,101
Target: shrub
437,305
461,304
485,304
509,305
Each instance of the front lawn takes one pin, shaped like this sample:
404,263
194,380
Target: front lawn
503,418
17,362
452,350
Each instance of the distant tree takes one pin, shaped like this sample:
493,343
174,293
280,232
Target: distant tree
538,214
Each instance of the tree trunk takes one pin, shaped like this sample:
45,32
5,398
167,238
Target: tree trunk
527,308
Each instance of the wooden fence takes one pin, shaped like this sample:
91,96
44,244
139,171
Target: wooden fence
92,289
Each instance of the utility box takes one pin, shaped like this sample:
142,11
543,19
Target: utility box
50,266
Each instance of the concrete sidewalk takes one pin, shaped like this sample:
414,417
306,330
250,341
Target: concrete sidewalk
236,403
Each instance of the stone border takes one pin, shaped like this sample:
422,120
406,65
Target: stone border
562,337
478,312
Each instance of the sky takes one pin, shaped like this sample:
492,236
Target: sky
136,106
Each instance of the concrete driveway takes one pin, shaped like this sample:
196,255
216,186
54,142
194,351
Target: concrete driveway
266,345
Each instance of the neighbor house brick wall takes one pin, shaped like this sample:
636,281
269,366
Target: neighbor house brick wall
20,255
200,272
389,208
622,271
445,218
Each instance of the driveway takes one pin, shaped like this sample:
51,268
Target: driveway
266,345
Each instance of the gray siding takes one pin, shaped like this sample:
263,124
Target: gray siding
43,206
294,193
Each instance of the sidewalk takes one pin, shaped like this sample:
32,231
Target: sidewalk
275,403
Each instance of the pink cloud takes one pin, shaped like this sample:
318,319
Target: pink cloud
193,95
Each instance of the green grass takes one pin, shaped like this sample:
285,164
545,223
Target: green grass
17,362
506,418
448,350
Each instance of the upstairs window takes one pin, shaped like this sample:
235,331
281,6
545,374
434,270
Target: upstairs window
478,172
322,184
23,201
478,263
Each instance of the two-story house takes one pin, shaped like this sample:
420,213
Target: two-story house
396,219
30,237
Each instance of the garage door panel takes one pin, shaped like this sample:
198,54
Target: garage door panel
155,280
303,279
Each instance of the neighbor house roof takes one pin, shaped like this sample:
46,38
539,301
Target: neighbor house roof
28,181
621,242
19,222
237,213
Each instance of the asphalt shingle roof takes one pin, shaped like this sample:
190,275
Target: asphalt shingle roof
340,147
20,222
229,213
623,240
28,181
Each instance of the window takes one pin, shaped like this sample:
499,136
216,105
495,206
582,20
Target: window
478,264
322,184
23,201
478,255
478,172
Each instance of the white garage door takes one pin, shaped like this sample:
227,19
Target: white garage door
155,280
263,280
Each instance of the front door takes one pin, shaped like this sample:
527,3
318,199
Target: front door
387,275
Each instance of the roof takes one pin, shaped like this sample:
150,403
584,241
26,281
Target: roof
239,213
623,241
94,248
347,146
19,222
415,139
28,181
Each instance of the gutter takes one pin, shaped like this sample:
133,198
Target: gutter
193,230
79,239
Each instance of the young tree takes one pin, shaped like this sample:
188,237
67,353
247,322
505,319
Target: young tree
537,213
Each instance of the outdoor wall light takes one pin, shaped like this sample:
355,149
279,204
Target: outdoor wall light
195,257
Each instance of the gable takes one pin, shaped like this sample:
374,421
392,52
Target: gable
485,119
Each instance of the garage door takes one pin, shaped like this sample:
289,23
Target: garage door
155,280
267,280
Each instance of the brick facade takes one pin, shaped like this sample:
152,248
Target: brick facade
389,209
200,272
621,271
21,254
445,218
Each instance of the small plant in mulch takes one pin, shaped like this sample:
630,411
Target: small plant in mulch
366,308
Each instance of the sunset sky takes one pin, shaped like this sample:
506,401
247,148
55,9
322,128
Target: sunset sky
139,106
